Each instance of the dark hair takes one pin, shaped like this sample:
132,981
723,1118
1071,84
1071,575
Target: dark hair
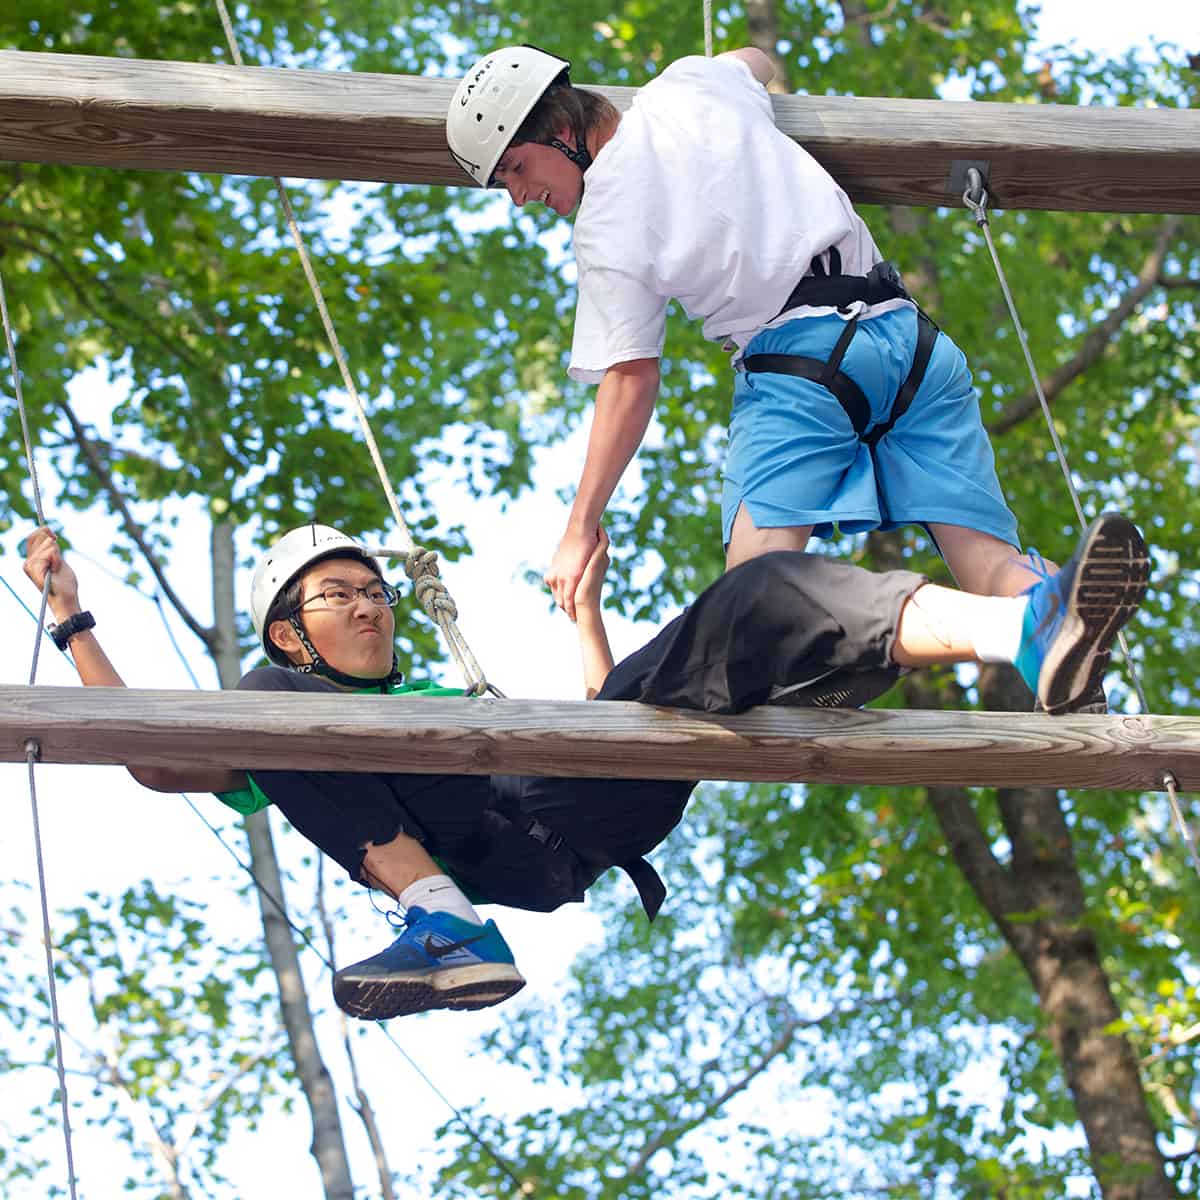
289,597
563,106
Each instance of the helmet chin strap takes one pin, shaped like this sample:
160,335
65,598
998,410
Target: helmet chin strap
318,666
579,156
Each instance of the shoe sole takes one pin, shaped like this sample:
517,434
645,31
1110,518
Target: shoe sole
373,998
1110,581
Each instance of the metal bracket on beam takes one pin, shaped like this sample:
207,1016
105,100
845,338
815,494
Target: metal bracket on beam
957,183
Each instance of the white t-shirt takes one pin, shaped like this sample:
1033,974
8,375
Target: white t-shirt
699,197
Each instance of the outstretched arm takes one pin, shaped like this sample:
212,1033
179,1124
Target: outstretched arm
624,404
593,637
95,669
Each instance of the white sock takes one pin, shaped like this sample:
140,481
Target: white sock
439,893
996,630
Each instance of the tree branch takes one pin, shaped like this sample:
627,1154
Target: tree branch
18,179
763,24
1098,340
185,1130
362,1105
791,1026
132,528
147,327
671,1134
966,837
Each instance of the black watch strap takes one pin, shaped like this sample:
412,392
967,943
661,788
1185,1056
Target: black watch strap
60,635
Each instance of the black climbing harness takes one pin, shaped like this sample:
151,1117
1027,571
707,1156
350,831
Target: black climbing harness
835,290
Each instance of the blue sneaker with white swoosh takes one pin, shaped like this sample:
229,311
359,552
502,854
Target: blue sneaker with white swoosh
439,961
1074,617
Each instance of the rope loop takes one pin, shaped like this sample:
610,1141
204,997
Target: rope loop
421,566
976,197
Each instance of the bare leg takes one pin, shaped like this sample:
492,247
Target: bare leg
396,865
935,626
747,541
984,564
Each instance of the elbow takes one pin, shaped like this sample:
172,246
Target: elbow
759,62
641,372
761,66
157,779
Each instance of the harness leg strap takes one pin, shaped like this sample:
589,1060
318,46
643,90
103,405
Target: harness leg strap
927,335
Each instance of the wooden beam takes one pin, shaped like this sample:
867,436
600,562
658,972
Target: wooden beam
117,112
880,747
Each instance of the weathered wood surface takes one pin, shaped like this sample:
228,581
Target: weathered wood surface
115,112
239,729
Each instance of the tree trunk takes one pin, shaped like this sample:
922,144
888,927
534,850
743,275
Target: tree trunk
1061,957
328,1144
1059,954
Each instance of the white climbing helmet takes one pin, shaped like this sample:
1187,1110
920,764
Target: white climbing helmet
492,100
290,555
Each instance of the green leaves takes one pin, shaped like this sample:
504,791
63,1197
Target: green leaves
168,1025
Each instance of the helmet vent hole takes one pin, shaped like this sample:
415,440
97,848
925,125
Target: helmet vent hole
479,116
500,128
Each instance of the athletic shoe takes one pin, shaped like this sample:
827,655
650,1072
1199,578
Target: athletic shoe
439,961
1074,617
1094,705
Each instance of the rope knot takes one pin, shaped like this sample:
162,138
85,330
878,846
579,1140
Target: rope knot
421,566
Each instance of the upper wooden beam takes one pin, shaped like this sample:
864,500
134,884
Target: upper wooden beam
879,747
118,112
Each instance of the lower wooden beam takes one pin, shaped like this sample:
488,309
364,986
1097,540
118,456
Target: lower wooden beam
534,737
172,116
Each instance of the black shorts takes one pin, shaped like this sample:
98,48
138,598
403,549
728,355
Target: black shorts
784,628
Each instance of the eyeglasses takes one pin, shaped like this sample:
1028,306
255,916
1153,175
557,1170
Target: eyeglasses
343,595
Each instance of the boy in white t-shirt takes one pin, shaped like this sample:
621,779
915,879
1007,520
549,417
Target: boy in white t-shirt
849,406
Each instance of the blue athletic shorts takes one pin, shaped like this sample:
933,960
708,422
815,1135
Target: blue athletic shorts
794,459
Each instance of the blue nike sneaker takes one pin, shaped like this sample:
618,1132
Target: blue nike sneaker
1074,617
439,961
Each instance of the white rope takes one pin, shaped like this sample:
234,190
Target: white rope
1185,832
976,198
467,663
708,29
33,752
16,379
41,625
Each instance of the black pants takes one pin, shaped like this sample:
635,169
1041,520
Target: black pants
785,628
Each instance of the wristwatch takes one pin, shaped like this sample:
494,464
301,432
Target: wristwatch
78,622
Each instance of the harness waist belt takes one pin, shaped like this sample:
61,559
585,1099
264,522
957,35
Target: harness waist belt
848,394
882,282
